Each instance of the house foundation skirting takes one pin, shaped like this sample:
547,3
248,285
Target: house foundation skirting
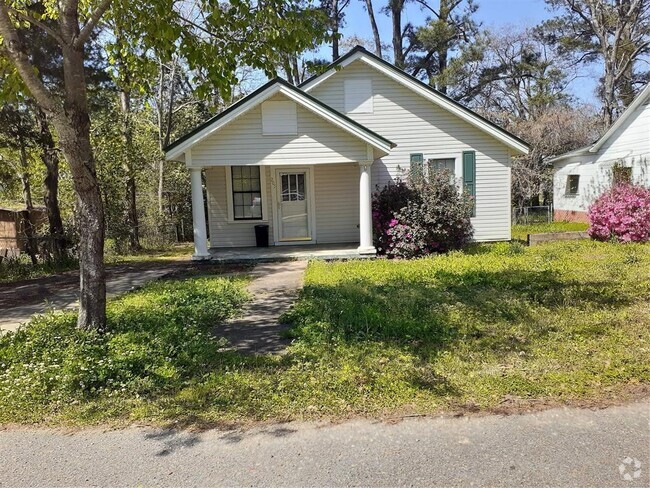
570,216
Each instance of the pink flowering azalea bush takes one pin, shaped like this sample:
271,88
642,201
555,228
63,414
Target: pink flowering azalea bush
418,218
621,214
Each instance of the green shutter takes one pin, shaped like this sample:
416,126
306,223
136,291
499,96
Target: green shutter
469,175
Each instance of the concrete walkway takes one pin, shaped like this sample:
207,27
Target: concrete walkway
67,297
559,448
274,288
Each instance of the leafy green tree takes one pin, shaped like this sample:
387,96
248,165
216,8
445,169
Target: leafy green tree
213,35
446,43
615,33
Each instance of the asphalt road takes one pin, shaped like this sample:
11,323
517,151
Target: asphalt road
562,447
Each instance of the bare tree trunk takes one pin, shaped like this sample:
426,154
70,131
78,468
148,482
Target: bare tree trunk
396,7
50,160
30,242
609,94
165,124
297,75
335,30
124,86
373,25
73,128
24,175
161,134
131,213
288,70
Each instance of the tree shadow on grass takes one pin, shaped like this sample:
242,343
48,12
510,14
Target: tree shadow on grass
499,309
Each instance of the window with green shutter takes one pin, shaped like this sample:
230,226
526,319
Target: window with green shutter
469,175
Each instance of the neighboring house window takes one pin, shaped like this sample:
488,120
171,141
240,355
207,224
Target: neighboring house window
621,174
572,184
246,193
358,96
279,118
448,164
417,166
469,176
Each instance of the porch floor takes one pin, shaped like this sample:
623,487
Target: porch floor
287,253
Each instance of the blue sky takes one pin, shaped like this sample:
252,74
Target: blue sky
491,13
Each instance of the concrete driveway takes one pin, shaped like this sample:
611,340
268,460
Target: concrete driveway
561,447
61,292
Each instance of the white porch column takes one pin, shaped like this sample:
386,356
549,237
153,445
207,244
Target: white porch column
365,209
198,215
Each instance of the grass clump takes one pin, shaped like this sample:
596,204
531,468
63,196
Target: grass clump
520,232
157,344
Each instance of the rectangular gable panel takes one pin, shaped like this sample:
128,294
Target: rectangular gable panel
279,118
358,96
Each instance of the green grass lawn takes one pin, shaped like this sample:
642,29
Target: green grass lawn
520,232
497,326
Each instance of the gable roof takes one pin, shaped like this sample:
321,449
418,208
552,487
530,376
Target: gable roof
428,92
595,147
640,98
277,85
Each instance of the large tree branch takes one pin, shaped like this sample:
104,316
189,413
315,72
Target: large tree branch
12,48
91,23
630,59
37,23
424,4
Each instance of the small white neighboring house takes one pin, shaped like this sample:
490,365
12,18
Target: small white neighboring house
580,176
305,160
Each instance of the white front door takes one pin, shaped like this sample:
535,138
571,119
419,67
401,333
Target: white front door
293,205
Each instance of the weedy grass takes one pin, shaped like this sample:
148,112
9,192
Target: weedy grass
158,341
21,267
520,232
561,323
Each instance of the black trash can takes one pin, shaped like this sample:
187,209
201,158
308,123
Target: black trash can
262,235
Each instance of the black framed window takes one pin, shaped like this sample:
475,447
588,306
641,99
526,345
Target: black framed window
572,184
246,193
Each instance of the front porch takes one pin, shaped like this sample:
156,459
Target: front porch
287,253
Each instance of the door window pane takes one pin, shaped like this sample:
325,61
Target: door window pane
293,187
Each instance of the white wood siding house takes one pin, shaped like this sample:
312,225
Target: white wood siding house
305,160
581,176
